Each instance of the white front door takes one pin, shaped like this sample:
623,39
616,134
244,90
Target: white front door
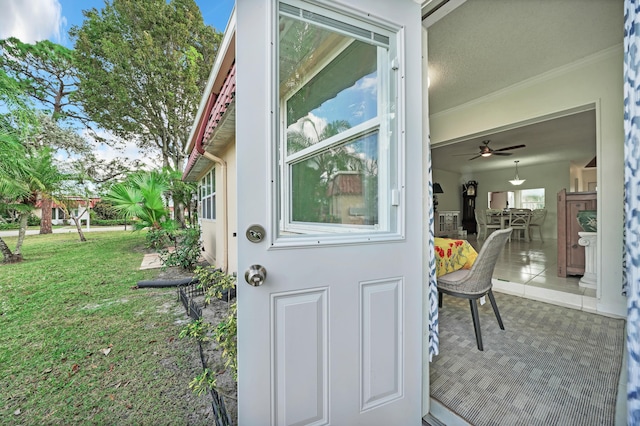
329,166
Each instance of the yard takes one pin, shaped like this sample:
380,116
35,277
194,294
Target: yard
80,344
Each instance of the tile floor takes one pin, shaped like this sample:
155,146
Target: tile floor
534,266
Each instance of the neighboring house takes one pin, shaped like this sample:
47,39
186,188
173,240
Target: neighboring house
316,258
58,216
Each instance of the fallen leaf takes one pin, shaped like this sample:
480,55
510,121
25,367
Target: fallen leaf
112,397
75,368
17,412
152,341
129,406
106,351
111,367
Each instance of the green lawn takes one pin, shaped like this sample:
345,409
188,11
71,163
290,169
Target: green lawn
67,305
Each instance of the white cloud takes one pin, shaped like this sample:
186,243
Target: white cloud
126,149
310,125
31,20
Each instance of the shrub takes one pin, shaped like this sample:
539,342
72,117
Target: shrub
216,283
104,210
33,220
187,248
112,222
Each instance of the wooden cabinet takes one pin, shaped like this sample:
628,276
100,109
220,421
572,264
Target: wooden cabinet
570,253
447,224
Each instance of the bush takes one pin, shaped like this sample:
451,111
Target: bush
187,248
112,222
33,220
8,226
104,210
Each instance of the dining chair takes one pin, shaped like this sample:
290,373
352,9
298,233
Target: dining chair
537,220
476,282
519,220
481,223
493,219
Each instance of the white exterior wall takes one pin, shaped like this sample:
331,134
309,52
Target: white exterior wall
212,240
598,80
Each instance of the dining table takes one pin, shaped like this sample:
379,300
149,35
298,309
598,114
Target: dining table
502,217
453,255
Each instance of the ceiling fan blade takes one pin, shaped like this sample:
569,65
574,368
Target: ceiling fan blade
502,153
464,155
473,158
509,147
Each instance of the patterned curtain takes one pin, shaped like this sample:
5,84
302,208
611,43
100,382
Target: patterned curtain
434,338
631,282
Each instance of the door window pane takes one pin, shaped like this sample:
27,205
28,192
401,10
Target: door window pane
338,187
338,135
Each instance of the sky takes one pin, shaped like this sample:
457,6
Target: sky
34,20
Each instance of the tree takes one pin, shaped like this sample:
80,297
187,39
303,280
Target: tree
13,165
182,193
46,73
143,67
27,175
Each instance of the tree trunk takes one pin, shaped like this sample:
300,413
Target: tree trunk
79,228
45,221
178,211
15,257
21,233
7,255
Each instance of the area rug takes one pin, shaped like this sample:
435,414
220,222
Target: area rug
551,366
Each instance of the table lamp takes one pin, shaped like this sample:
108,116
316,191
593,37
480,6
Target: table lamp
437,189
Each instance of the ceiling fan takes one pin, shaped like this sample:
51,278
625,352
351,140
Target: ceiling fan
486,151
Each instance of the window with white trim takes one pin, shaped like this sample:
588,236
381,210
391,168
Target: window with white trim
207,197
338,146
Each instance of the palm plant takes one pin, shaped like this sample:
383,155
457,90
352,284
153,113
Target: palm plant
141,196
13,189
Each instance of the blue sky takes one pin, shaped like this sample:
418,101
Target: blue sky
34,20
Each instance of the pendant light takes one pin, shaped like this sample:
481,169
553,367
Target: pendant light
517,181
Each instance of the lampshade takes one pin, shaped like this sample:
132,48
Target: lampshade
437,189
517,181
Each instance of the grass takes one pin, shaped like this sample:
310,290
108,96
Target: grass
67,305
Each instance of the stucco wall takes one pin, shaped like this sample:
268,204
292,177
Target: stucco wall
595,80
213,242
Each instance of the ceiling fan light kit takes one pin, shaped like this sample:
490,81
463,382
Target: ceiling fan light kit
487,151
517,181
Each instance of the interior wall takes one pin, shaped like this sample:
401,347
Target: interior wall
452,197
553,177
588,176
596,80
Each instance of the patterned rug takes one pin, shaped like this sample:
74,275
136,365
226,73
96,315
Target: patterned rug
550,366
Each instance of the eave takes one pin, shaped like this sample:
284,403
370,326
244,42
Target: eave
214,125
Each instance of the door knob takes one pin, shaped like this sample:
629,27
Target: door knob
255,275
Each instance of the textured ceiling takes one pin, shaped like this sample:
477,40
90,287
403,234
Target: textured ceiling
487,45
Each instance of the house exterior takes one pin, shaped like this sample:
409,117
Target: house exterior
212,158
591,83
58,216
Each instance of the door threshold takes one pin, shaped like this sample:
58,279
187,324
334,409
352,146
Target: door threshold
439,415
